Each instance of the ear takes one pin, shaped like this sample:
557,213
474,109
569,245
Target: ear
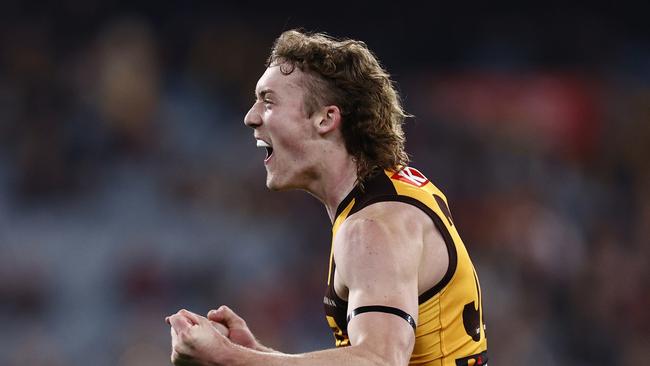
329,119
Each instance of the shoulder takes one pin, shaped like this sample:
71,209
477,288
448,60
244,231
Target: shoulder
385,218
382,234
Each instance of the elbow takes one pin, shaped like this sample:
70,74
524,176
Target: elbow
397,358
386,354
393,359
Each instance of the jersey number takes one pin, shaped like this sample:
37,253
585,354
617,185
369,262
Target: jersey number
472,310
472,315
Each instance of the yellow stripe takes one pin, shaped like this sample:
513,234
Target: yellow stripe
339,220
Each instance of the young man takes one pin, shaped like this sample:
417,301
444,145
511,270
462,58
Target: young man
401,287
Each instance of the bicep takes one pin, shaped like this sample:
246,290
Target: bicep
379,266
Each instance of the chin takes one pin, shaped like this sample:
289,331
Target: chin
273,184
272,187
276,185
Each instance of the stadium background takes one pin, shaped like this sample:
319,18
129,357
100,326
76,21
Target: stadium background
129,187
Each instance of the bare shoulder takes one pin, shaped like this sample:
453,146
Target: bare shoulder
385,234
384,219
391,239
391,216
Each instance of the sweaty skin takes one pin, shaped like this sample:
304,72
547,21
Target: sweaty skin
387,253
378,253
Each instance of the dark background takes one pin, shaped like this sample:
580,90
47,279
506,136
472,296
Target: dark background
130,188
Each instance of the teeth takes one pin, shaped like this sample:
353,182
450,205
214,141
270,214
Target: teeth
261,143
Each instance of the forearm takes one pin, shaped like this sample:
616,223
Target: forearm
348,356
264,349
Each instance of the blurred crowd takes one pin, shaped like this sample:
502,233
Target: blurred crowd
130,188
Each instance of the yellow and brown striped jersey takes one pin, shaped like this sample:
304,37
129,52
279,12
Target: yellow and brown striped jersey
450,329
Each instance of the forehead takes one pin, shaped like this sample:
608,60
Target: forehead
273,79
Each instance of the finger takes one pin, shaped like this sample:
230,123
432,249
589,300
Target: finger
215,314
179,323
222,329
218,314
193,318
226,316
196,319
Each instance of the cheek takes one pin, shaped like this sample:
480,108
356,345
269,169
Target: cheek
286,143
289,133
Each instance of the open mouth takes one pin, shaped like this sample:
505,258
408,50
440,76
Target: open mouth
268,147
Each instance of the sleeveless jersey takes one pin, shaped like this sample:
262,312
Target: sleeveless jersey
450,329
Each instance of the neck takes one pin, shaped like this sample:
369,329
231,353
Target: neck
336,181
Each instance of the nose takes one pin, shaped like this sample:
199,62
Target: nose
252,119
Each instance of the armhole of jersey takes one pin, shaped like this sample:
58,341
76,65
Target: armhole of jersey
449,242
337,299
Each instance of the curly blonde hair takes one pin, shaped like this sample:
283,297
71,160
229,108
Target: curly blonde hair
347,74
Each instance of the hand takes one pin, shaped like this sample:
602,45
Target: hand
196,340
238,331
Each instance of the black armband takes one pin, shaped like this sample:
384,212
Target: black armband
382,309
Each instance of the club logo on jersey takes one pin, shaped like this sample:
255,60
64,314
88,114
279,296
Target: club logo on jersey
411,176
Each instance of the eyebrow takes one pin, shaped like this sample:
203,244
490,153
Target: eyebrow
263,93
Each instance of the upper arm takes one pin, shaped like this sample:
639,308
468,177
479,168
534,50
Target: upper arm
378,252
